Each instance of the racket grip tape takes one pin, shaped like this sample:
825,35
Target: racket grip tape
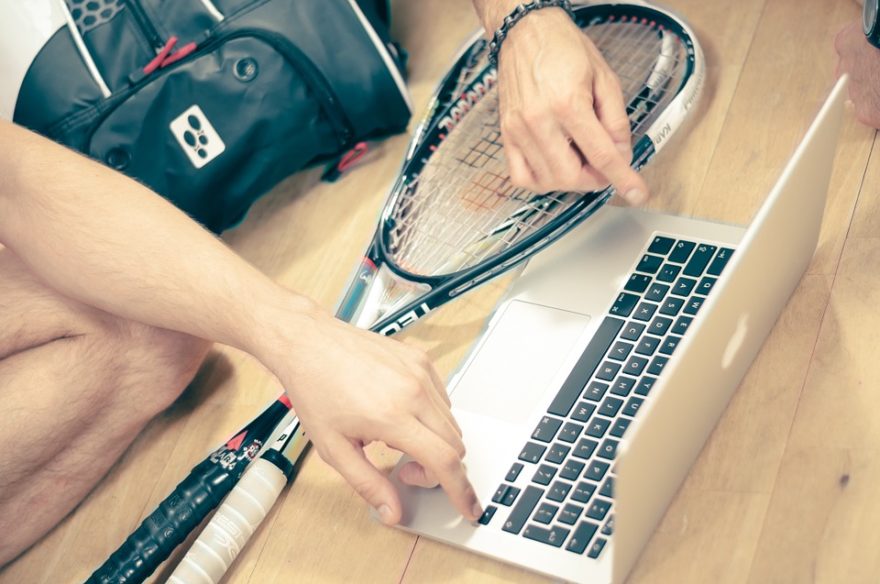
235,521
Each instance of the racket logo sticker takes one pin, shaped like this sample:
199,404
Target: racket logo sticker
406,319
468,99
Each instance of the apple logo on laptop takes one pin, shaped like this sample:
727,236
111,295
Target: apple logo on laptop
736,341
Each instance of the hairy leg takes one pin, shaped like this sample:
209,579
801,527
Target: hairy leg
76,387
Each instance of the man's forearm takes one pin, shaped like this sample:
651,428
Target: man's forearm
107,241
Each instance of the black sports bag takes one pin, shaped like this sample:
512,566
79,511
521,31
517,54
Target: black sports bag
210,102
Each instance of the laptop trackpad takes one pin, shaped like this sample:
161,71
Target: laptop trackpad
518,360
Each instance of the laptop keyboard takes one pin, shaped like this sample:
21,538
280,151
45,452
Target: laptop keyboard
560,491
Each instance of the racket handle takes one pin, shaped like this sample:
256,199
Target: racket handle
166,528
235,522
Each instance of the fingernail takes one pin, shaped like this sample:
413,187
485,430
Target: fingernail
477,510
385,514
635,196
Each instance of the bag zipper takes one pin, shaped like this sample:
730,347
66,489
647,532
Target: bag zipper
145,24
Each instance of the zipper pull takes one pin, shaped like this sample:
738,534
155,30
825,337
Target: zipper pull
346,161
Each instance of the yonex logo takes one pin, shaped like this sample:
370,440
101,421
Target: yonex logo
198,138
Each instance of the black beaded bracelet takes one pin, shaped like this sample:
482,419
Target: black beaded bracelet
515,16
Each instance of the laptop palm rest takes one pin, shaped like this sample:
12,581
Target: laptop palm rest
512,392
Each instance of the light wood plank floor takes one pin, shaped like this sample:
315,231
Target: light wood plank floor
784,490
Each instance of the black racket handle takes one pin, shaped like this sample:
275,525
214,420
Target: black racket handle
170,524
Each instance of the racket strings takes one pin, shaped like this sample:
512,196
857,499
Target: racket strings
462,209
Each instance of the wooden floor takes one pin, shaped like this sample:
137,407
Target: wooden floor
786,488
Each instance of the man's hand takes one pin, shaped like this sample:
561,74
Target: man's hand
862,62
350,388
563,119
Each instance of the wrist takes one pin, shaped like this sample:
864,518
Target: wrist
280,322
529,15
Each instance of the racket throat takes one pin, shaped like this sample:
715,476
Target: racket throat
387,294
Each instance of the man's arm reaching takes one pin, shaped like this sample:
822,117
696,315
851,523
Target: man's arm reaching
107,241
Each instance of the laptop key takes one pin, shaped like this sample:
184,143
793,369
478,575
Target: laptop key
544,474
583,491
649,264
656,292
624,304
499,493
661,245
705,286
684,286
523,509
620,351
672,306
645,311
607,489
669,344
581,537
636,364
488,514
619,427
681,325
510,496
572,470
608,371
545,513
599,509
637,283
632,331
585,448
632,407
570,514
623,385
595,390
586,365
682,251
559,491
570,432
657,365
608,528
693,305
596,470
513,473
648,345
669,273
699,260
721,259
597,427
553,536
557,453
596,548
532,452
608,450
546,430
645,385
660,325
610,406
583,411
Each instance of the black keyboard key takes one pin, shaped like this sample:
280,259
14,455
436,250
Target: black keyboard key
553,536
684,286
645,385
623,385
681,325
661,245
583,491
659,326
608,450
583,411
597,427
557,453
649,264
610,406
523,509
607,489
585,366
488,514
510,496
699,260
572,470
672,305
596,548
637,283
595,390
570,514
669,273
620,351
693,305
619,427
705,286
545,513
585,448
559,491
635,365
570,432
582,536
657,365
608,370
656,292
632,331
546,430
648,345
532,452
599,509
513,473
595,471
632,407
682,251
624,304
544,474
608,528
721,259
645,311
500,492
669,344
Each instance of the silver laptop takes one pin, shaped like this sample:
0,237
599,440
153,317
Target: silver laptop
572,401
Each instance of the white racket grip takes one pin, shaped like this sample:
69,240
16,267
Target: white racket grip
233,524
